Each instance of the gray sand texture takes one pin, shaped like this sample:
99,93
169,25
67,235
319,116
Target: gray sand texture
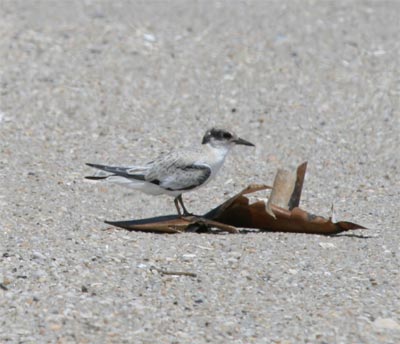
118,82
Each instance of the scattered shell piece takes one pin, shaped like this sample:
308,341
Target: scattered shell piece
327,245
149,37
386,323
188,257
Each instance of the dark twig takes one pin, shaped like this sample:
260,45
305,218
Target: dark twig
174,273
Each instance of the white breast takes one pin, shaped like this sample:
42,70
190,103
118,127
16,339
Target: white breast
215,158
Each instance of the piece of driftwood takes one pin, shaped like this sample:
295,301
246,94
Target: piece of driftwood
174,224
281,213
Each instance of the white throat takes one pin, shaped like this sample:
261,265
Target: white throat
216,156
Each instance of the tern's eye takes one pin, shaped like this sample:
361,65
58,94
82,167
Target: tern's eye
227,136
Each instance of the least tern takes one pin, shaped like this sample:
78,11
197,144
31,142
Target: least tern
176,172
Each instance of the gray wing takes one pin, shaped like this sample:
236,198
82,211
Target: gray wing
177,173
186,178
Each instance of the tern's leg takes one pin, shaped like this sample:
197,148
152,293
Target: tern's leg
177,205
179,198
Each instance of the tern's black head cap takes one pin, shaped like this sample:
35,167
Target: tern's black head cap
217,134
223,138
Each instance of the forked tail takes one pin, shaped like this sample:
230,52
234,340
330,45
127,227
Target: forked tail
115,171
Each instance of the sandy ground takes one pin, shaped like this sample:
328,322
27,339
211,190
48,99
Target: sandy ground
118,82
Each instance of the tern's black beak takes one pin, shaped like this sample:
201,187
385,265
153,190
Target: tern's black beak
240,141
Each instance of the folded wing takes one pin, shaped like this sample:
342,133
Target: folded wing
186,178
177,174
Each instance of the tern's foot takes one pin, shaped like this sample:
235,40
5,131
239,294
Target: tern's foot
187,214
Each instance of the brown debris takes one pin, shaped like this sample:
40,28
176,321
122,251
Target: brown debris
280,214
